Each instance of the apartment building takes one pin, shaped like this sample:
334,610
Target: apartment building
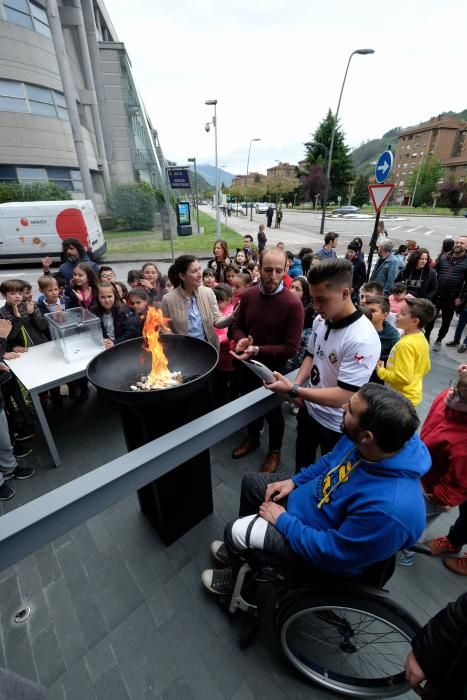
442,137
282,170
69,108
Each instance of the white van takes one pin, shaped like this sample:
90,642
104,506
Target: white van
37,229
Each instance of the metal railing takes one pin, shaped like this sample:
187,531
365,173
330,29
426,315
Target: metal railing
29,527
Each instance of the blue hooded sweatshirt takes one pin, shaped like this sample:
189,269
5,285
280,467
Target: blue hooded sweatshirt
346,513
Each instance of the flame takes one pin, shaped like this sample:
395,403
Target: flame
155,322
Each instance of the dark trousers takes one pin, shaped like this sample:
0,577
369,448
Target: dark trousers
310,436
461,324
275,420
457,534
446,307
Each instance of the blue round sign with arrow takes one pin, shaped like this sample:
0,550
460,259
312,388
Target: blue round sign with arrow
383,167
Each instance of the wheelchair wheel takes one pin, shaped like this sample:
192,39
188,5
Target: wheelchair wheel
352,643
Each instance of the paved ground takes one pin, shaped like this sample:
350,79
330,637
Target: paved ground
116,615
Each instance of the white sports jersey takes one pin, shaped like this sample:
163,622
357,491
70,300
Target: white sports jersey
345,354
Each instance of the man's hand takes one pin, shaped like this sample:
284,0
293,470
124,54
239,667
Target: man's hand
413,673
279,490
46,263
5,327
11,356
19,348
281,385
108,343
30,307
4,368
244,349
458,302
270,511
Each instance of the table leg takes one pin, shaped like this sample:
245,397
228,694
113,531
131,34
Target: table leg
45,428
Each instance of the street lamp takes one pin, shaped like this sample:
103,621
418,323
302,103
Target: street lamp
214,123
193,160
246,179
362,52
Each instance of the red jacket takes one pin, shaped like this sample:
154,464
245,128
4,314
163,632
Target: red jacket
444,432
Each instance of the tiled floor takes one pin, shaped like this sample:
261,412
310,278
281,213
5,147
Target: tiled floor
116,614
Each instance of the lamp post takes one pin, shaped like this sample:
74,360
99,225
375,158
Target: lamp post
246,179
362,52
316,144
214,123
193,160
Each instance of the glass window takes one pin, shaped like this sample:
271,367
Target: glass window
42,109
81,114
18,18
62,114
39,94
7,172
42,29
11,89
67,184
17,5
32,174
12,104
58,173
60,99
39,13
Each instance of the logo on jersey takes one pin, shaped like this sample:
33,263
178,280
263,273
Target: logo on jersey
362,360
328,482
332,357
314,377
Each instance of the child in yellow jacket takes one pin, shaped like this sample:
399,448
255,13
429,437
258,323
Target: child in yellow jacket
409,359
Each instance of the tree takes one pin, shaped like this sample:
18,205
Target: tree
312,184
37,192
360,191
281,186
342,169
454,195
133,204
423,182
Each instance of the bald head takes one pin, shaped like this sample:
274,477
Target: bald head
272,266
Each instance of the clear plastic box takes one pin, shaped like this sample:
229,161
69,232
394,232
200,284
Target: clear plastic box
77,333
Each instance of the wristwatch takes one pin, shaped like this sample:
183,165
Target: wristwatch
293,393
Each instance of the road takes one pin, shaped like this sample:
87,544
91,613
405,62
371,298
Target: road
301,228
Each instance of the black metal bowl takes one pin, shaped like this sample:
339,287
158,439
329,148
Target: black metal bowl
113,371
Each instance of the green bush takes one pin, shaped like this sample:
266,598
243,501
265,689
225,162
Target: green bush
37,192
133,205
108,223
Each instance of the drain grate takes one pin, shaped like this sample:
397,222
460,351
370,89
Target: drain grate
22,614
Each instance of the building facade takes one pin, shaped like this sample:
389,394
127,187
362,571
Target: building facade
444,138
282,170
69,109
251,179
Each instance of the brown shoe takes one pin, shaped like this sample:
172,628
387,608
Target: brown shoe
441,545
459,566
245,448
271,462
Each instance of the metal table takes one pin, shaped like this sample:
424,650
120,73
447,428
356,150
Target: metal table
41,368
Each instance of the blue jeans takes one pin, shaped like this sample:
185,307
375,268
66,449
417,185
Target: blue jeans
461,324
7,459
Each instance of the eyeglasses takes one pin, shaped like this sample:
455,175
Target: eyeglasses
455,391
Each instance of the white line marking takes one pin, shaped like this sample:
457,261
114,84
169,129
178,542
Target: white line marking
395,228
427,233
409,230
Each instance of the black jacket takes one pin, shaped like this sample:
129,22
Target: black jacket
452,276
359,273
420,283
441,651
28,330
125,324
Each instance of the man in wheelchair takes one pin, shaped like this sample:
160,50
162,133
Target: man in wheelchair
358,505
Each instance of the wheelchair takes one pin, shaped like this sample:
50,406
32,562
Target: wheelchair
343,633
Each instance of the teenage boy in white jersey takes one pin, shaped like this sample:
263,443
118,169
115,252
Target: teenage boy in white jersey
342,353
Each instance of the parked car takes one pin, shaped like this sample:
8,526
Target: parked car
262,207
350,209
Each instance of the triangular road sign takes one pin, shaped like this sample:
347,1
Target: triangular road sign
379,195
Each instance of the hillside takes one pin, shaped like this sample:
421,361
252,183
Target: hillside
209,174
365,155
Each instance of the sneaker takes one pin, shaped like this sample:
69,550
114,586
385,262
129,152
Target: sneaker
24,472
441,545
219,552
6,492
462,348
219,581
21,451
25,435
406,557
436,347
459,566
452,343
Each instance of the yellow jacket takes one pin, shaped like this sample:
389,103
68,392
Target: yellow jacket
407,364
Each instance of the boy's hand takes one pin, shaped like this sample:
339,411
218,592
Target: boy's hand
108,343
380,363
11,356
16,311
30,307
5,327
20,349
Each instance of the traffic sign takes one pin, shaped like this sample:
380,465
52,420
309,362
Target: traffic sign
379,195
179,178
383,167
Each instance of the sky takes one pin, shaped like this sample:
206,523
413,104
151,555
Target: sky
277,66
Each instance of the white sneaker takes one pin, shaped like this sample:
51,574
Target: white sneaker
436,347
